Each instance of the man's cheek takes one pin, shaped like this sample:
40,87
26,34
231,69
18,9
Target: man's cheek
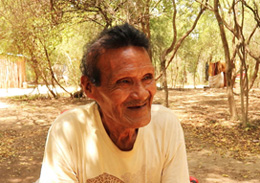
119,96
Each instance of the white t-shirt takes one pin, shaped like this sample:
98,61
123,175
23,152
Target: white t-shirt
78,149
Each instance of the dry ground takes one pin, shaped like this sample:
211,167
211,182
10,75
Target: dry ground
219,150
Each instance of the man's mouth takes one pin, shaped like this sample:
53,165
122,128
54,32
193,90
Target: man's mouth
139,106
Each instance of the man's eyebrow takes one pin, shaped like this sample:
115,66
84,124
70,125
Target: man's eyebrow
126,75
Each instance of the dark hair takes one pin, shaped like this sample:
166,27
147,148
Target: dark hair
115,37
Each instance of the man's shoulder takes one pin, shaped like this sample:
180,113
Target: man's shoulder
75,118
163,114
161,110
164,121
78,112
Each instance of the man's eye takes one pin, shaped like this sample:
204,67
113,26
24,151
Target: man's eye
148,77
123,81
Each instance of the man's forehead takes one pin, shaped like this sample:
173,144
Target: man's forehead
125,62
131,69
125,57
139,72
126,68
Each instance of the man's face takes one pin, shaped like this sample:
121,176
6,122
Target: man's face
127,87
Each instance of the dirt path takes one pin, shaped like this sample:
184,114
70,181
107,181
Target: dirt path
218,150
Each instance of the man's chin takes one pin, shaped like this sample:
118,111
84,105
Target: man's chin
139,122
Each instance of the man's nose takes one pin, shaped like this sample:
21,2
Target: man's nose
139,92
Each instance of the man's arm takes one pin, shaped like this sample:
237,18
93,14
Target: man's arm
176,166
57,163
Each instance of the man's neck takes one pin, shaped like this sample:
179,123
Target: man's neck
123,138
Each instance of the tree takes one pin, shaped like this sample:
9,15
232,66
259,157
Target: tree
233,18
253,51
35,34
229,62
175,45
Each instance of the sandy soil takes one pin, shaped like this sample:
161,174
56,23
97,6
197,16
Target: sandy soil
219,150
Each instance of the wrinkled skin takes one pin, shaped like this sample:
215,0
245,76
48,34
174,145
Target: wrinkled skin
126,93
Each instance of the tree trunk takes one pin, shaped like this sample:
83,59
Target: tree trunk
195,69
52,73
175,45
164,82
243,86
241,50
242,94
145,21
47,84
255,74
176,74
230,95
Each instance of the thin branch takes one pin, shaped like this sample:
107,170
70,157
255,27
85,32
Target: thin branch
177,46
174,29
254,11
251,35
206,5
185,35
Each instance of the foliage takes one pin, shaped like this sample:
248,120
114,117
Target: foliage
51,34
57,26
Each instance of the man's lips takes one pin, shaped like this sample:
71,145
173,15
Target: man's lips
138,106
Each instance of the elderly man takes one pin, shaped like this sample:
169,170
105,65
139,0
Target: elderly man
121,136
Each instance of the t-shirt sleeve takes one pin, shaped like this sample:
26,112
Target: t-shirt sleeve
57,163
175,166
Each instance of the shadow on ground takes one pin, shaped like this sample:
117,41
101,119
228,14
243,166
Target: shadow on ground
219,150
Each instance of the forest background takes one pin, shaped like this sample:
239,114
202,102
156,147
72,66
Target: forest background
185,35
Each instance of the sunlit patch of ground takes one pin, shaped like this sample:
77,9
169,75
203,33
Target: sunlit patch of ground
219,150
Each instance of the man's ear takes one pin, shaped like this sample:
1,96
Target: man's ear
87,86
